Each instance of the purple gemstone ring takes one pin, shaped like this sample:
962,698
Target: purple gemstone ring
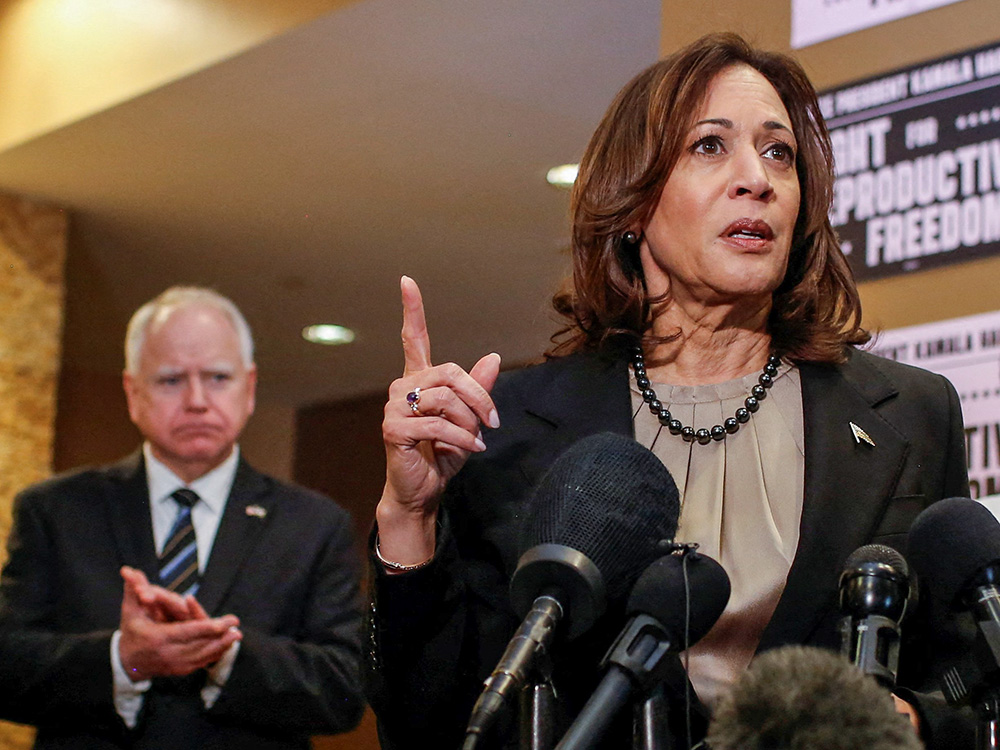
413,399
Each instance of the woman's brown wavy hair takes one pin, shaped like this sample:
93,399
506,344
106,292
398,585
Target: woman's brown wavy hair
816,310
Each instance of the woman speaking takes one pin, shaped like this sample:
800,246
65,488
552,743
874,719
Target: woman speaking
713,318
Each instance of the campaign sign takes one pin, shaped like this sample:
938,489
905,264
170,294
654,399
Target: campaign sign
918,164
967,352
818,20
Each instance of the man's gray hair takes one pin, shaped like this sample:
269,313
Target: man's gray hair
174,298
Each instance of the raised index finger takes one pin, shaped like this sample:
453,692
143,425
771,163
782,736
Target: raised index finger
416,342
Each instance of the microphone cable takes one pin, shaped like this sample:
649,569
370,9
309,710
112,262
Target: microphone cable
643,664
685,551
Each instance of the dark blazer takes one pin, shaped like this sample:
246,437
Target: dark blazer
290,576
436,633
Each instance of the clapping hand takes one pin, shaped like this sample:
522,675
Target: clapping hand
165,634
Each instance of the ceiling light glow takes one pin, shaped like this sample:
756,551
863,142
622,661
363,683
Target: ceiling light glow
328,334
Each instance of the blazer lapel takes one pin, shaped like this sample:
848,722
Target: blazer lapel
848,481
127,509
249,509
581,395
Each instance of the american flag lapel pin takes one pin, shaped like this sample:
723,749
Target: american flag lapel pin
256,511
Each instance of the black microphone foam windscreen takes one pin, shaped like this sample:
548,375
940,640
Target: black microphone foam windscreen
659,592
950,542
878,553
611,499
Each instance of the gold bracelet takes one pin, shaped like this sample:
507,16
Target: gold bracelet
399,567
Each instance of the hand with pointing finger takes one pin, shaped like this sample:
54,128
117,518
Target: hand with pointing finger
432,422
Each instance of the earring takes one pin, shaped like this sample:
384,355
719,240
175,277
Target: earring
630,237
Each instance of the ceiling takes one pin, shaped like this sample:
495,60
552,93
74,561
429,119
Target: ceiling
302,177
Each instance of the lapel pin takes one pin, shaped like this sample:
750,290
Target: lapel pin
259,511
860,436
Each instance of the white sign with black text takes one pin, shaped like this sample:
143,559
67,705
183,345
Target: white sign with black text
917,153
967,352
818,20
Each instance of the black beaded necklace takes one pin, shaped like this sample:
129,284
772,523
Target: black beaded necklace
704,436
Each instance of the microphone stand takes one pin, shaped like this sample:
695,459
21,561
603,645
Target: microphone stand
988,720
538,707
973,680
649,723
986,607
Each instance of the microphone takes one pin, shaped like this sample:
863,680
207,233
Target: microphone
807,697
604,510
874,591
955,547
661,624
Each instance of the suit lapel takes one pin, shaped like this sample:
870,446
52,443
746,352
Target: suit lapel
249,509
127,510
580,395
848,482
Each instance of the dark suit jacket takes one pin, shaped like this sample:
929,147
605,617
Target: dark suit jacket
437,633
290,576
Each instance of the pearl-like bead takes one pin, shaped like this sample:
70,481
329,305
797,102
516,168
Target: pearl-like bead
718,432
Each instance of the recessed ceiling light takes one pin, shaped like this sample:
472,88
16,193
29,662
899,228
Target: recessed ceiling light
562,176
328,334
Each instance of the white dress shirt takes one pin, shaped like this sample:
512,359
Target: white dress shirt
213,490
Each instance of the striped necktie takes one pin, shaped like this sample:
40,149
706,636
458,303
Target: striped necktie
179,559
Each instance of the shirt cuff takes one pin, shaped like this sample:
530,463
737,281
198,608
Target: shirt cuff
128,695
218,674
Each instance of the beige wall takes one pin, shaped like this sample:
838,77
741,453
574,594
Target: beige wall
963,289
268,442
339,451
62,60
32,257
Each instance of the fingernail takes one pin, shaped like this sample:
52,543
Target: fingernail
493,419
480,445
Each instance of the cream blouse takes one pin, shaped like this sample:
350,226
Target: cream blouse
741,501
